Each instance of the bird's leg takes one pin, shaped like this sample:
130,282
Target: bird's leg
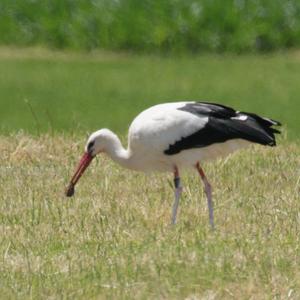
208,192
178,190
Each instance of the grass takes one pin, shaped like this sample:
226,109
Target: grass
84,92
113,240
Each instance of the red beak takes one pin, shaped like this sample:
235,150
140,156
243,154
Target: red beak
83,164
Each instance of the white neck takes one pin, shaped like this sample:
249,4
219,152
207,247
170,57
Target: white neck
117,152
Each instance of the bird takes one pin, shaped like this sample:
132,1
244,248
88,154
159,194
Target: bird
169,137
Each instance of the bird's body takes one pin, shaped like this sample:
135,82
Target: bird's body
173,136
155,129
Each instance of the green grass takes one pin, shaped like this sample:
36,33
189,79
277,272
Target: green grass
81,92
113,239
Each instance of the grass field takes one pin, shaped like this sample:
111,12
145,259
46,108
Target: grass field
113,240
84,92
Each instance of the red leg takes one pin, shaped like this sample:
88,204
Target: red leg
178,190
208,192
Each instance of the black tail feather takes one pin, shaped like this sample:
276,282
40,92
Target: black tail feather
266,124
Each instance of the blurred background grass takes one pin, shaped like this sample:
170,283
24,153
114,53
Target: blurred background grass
119,57
72,92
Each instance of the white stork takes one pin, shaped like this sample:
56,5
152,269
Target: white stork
173,136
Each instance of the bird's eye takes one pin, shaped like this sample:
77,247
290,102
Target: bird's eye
90,145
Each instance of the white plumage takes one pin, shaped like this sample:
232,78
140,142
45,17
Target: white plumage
173,136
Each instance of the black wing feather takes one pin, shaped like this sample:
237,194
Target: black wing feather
223,124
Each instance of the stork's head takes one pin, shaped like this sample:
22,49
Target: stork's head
96,143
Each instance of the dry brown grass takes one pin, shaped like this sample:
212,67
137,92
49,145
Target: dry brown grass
113,240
